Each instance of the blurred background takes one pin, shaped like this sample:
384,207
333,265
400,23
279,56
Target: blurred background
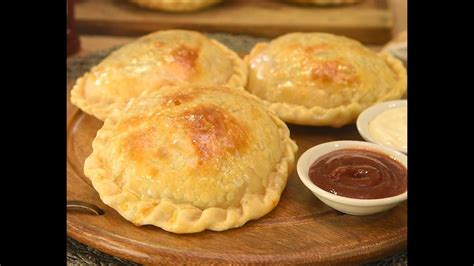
95,25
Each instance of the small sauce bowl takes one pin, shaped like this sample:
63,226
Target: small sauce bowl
371,113
348,205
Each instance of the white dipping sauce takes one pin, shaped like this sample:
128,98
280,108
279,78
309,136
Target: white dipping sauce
390,128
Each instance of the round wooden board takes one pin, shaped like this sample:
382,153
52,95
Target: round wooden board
301,229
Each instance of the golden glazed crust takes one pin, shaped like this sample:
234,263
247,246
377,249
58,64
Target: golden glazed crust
188,159
176,5
322,79
162,58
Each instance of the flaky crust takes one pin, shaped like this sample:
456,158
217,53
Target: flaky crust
176,5
233,161
162,58
339,103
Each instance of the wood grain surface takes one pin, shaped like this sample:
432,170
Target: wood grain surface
370,21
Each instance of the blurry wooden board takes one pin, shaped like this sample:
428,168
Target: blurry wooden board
370,22
301,229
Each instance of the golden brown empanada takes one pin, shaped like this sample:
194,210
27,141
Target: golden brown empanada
163,58
188,159
176,5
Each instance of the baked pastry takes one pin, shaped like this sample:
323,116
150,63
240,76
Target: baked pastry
322,79
162,58
398,47
188,159
176,5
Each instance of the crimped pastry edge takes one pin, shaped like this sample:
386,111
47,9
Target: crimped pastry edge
186,218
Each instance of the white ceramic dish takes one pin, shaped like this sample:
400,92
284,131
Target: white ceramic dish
344,204
370,113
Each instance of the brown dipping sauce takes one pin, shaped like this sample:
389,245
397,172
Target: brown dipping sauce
359,173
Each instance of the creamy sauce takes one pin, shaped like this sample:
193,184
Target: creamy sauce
390,128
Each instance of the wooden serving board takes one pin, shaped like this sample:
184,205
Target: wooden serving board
370,21
301,229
